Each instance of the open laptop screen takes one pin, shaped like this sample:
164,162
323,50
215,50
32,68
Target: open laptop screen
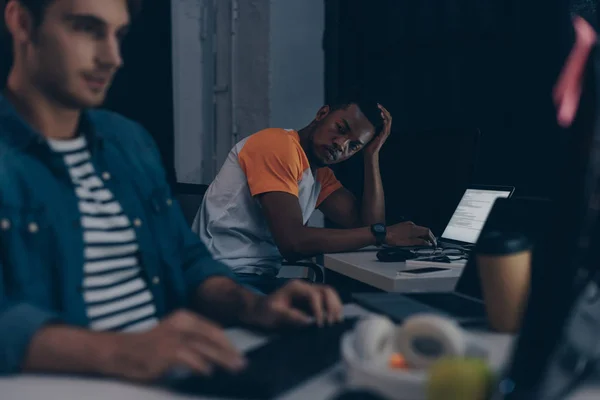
472,211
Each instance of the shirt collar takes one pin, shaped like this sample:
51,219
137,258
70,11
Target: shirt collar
19,133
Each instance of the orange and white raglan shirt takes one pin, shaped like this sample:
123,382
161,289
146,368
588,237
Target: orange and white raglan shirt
230,221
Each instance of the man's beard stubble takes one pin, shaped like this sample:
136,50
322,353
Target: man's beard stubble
54,88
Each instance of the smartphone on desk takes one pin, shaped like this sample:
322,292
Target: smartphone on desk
425,270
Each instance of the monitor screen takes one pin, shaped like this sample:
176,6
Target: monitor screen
548,355
470,215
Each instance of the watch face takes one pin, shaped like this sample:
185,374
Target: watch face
379,228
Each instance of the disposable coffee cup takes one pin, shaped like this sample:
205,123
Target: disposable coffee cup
504,264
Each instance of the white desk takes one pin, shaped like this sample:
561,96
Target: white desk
321,387
364,266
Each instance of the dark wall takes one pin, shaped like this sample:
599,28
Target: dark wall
450,67
143,89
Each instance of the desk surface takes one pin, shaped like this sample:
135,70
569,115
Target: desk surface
321,387
364,266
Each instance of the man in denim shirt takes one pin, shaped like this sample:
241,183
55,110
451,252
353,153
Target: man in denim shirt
99,271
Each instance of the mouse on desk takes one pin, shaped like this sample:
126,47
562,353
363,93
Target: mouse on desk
358,394
395,254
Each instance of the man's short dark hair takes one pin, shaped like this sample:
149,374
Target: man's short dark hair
367,107
37,8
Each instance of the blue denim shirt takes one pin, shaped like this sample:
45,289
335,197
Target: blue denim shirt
41,239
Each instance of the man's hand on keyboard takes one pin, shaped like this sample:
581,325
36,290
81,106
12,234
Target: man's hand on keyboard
183,339
296,304
408,234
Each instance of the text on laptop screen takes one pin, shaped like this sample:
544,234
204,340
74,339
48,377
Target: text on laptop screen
470,215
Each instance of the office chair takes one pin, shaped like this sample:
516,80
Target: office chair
190,197
318,276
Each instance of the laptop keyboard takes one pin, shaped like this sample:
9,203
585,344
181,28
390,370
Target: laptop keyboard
281,364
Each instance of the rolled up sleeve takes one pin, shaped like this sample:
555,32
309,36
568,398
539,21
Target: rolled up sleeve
19,322
198,263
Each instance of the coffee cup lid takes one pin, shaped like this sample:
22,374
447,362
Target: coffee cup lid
502,243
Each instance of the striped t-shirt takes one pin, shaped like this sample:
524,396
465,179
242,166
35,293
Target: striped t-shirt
114,291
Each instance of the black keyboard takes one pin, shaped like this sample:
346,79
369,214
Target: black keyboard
451,303
276,367
400,306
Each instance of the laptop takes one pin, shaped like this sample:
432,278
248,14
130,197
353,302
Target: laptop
472,211
465,304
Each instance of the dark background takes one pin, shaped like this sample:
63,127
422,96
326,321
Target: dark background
143,89
445,69
449,71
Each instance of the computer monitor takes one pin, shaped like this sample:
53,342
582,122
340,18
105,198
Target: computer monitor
528,216
545,364
472,211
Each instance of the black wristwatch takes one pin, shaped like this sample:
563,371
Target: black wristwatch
379,231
